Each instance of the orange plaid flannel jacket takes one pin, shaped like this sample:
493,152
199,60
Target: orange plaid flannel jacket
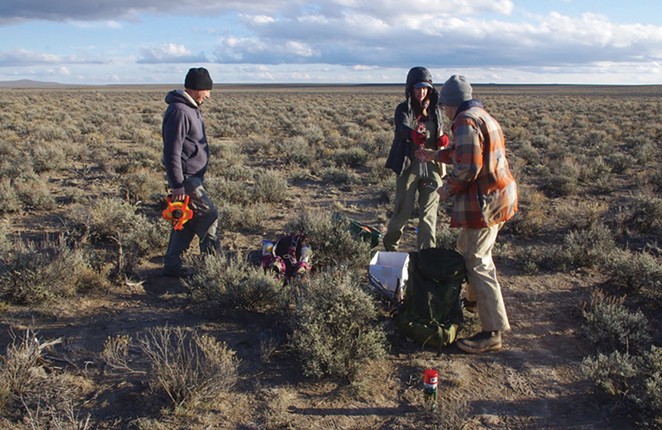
484,188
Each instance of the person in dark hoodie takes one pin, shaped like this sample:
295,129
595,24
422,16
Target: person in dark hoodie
185,157
418,124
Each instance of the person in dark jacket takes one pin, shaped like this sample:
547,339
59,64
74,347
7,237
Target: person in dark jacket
185,157
418,124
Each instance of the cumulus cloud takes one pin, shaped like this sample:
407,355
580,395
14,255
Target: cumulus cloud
360,35
12,11
170,53
364,33
263,51
22,57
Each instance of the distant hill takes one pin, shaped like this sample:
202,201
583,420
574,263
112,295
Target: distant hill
28,83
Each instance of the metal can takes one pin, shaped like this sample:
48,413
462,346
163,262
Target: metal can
267,247
430,383
306,254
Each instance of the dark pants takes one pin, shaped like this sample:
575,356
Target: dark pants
203,224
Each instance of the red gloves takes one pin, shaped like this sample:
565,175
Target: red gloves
418,138
443,141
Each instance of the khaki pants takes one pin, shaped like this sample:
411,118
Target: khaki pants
476,245
408,186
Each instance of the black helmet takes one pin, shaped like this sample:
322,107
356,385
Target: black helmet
416,75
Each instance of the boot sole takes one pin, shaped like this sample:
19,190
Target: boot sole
470,349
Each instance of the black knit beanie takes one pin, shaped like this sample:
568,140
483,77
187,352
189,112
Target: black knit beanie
198,79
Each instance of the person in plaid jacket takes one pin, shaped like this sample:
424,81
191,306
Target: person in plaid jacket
485,197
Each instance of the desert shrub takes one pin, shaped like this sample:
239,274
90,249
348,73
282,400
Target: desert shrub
351,129
236,173
636,272
35,395
352,157
246,217
620,162
189,368
560,184
33,273
542,141
270,186
13,161
312,134
597,168
530,154
115,353
143,185
645,151
136,159
261,145
11,202
580,215
47,157
588,247
334,330
34,193
24,356
598,142
381,144
222,281
656,179
533,205
610,326
332,242
50,132
338,176
646,214
229,191
377,172
104,219
115,223
385,191
225,154
633,383
299,151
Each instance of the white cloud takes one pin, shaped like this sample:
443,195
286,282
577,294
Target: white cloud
263,51
112,24
258,19
350,37
170,53
299,49
23,57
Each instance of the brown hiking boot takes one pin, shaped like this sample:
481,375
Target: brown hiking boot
482,342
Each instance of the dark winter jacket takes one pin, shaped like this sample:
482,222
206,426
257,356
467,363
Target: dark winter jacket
185,148
402,150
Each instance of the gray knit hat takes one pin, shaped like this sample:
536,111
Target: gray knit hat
456,90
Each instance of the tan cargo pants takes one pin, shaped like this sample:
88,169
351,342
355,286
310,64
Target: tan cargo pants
476,245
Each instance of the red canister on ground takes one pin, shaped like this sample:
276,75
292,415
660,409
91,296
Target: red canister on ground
430,382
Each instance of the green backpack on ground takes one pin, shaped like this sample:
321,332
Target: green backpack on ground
432,311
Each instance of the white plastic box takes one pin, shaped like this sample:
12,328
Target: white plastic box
388,273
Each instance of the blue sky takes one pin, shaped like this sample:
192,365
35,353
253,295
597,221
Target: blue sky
331,41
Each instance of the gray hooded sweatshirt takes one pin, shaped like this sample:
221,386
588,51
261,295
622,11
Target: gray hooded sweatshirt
185,148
